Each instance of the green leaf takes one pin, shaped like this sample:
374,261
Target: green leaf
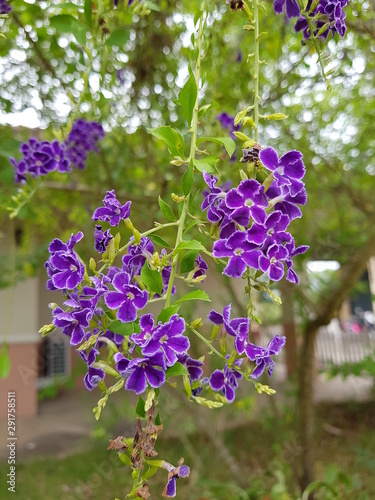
189,245
195,295
88,12
187,179
188,97
203,110
118,37
207,164
124,328
166,313
152,279
4,362
175,370
140,408
65,23
227,142
171,137
158,419
166,210
158,240
188,261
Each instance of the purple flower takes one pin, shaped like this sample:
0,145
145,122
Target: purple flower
93,377
288,170
291,7
81,140
272,261
173,474
40,158
272,231
282,200
248,200
64,267
137,256
102,238
262,356
237,327
227,122
214,200
147,326
200,267
72,323
4,7
169,339
193,366
225,381
127,298
326,12
139,371
112,212
241,253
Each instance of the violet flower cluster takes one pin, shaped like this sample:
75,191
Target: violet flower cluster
5,8
93,303
39,158
253,222
324,13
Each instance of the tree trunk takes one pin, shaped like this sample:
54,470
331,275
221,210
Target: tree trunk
289,327
306,406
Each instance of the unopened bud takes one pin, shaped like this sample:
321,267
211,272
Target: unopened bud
275,116
241,136
197,323
117,240
46,329
243,175
248,121
92,264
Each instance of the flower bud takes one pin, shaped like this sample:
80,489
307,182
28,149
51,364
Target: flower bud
275,116
197,323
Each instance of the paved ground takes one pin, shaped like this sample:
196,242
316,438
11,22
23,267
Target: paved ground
64,424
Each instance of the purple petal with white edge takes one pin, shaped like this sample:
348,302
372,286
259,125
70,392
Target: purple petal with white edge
170,490
235,268
270,365
146,322
295,170
249,188
114,300
252,351
257,234
251,258
170,354
241,216
233,199
155,377
140,299
158,360
259,369
215,317
179,344
176,326
77,335
226,313
121,281
264,263
258,214
292,211
151,348
269,156
228,393
276,271
217,380
127,312
276,344
236,240
137,381
290,157
220,249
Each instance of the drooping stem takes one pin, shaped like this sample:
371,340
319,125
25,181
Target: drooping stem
193,148
256,68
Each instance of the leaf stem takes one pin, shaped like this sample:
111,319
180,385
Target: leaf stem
207,342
